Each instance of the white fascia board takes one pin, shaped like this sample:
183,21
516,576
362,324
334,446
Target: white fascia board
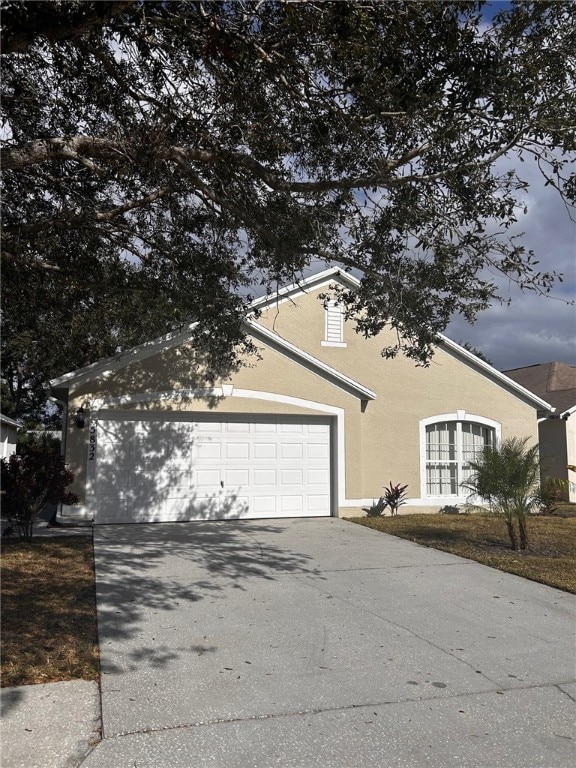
173,338
309,361
542,405
9,421
111,364
304,286
568,412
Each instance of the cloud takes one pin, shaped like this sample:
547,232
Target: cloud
533,329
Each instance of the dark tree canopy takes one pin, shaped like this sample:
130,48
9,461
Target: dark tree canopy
165,162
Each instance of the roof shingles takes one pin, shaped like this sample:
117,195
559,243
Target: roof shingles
554,382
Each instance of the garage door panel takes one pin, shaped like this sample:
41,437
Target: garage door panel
292,450
318,477
318,429
168,482
317,451
265,451
161,467
291,429
264,506
208,451
265,428
237,477
238,428
237,450
319,504
264,477
113,481
234,506
292,477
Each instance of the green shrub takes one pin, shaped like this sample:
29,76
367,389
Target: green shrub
31,479
506,476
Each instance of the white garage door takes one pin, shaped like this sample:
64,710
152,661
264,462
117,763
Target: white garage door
156,467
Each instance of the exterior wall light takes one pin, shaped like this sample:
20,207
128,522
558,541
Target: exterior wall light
80,418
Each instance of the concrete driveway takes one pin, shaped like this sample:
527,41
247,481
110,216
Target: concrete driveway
305,643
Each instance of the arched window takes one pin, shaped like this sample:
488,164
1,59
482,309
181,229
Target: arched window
448,444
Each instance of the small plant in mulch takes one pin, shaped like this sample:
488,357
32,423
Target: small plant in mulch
393,498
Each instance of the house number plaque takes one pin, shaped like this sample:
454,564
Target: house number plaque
92,442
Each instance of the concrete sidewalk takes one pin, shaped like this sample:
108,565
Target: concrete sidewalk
49,726
303,643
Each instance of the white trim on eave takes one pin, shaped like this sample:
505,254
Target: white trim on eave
567,413
107,366
10,422
304,286
135,354
308,361
501,378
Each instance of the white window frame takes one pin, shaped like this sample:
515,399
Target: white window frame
333,311
458,416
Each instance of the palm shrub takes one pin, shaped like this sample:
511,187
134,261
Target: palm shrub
506,476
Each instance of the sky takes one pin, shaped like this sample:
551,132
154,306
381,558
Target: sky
532,329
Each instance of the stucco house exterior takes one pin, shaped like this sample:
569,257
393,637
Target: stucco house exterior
315,427
556,383
8,431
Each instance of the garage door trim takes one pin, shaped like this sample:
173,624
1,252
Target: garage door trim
186,499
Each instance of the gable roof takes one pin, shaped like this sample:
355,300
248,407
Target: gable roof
309,361
554,381
105,367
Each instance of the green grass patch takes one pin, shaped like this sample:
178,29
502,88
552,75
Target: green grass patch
549,559
48,611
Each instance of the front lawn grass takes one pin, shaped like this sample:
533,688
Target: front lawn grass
48,611
549,559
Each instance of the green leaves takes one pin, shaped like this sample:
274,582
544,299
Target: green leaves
507,476
163,161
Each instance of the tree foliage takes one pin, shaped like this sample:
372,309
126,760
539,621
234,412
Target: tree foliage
165,162
32,478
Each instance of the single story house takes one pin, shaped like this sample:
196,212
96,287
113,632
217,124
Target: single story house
8,431
316,426
556,383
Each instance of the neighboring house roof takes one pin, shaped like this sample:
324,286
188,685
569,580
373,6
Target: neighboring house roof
10,422
555,382
105,367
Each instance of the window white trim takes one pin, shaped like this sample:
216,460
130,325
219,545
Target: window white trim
458,417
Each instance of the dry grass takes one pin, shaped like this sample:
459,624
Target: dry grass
550,558
48,611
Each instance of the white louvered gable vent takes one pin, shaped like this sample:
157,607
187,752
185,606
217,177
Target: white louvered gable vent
334,325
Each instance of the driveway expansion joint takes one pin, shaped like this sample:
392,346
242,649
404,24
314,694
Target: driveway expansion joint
322,710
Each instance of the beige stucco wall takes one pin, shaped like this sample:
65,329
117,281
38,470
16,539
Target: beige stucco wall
406,393
381,436
571,455
273,374
558,451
